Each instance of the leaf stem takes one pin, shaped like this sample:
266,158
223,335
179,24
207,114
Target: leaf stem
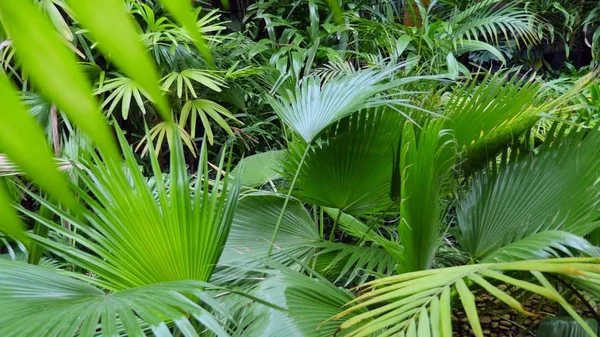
285,203
337,219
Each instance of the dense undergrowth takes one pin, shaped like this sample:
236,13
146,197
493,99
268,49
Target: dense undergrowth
299,168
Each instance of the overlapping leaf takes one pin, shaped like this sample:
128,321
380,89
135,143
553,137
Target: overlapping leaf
420,303
351,167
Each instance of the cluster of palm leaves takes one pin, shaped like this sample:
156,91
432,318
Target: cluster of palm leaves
398,192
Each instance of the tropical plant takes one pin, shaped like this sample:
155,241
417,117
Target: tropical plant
382,182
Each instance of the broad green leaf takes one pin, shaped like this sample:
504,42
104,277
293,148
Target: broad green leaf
555,189
109,23
54,69
11,224
259,169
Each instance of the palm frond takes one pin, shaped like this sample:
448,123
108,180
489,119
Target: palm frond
488,21
259,169
351,167
135,240
555,189
420,303
122,90
251,230
484,117
544,245
315,105
425,162
205,108
187,76
38,299
306,301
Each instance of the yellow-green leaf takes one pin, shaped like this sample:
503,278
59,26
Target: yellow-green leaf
53,68
11,224
114,29
468,301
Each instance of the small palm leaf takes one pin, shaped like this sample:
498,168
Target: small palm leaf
351,167
554,190
204,108
122,90
38,299
162,132
420,303
187,76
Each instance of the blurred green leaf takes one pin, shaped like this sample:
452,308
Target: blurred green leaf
24,142
53,67
114,29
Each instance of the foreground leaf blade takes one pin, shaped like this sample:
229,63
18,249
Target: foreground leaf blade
55,71
115,31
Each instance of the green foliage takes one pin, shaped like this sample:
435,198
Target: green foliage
382,177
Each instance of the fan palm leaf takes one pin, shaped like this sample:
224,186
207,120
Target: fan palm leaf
555,189
38,299
259,169
249,238
315,105
137,241
544,245
484,117
351,167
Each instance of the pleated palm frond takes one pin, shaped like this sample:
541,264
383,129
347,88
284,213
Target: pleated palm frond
484,117
315,105
259,169
38,299
555,189
122,90
544,245
307,303
420,303
252,228
131,240
297,243
350,168
487,116
425,162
